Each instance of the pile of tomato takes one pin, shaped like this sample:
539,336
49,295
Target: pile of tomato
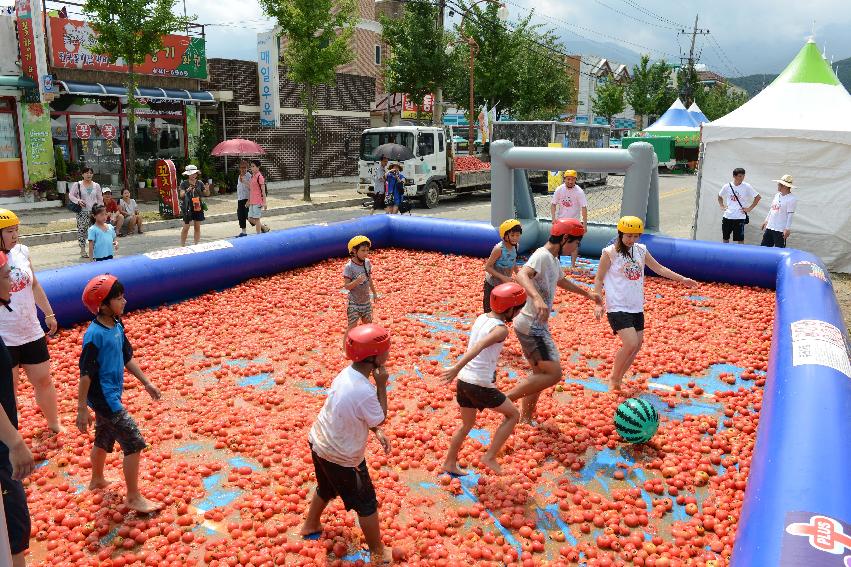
470,163
242,373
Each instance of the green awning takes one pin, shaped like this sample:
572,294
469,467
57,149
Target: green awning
13,82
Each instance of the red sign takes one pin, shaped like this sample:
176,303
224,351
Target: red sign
84,131
26,39
166,182
409,107
70,47
107,131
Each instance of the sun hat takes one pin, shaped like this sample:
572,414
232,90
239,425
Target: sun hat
190,169
106,190
786,180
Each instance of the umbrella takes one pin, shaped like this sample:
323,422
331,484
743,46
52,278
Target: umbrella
395,152
237,147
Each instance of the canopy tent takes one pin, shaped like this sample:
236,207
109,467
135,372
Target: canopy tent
677,123
697,114
800,124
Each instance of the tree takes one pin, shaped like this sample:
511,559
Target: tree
649,91
688,84
720,100
518,69
608,100
131,30
417,63
316,36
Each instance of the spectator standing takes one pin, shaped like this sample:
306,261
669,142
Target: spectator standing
732,199
778,222
85,194
243,183
379,185
257,198
569,202
192,192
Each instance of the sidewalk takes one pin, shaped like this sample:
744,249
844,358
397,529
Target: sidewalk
46,226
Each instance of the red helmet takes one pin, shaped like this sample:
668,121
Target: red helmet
367,340
3,259
96,291
507,295
570,227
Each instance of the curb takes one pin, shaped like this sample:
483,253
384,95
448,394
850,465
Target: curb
71,235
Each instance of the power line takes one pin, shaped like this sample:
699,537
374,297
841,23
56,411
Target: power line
724,54
630,16
647,12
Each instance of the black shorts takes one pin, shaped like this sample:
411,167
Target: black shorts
773,239
15,505
119,427
34,352
478,397
378,202
622,320
104,258
736,227
353,485
192,216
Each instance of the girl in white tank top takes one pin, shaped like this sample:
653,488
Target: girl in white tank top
621,275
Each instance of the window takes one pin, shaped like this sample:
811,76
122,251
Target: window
372,140
425,144
440,141
378,55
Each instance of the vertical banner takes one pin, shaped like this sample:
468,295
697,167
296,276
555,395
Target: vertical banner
267,69
166,182
38,141
193,131
31,43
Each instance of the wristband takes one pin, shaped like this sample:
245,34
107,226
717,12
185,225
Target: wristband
51,316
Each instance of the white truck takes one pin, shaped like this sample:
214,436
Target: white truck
434,171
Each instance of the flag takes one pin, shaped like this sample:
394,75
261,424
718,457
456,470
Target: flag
483,124
491,120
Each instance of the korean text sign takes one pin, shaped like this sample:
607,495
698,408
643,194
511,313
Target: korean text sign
268,81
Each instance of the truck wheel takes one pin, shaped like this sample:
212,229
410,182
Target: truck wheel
432,195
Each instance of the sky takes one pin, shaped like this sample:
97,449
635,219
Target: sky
746,36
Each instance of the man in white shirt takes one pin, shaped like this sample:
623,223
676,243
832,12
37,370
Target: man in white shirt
353,408
778,222
736,199
569,202
379,185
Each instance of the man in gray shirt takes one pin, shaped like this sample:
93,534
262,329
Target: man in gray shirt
378,186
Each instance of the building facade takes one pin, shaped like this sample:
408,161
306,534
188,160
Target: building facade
587,73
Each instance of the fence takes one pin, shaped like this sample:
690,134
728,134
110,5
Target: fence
604,201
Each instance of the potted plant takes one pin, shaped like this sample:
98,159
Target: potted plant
61,170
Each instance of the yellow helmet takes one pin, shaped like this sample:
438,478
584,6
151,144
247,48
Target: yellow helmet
569,173
357,241
631,225
506,227
8,218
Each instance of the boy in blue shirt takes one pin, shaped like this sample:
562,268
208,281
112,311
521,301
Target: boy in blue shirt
106,352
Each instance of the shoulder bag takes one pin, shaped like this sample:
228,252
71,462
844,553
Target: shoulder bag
72,206
747,216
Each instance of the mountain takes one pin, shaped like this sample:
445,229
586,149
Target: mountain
755,83
611,51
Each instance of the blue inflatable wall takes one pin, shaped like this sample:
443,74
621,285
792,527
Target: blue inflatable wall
802,459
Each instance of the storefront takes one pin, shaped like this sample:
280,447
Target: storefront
11,164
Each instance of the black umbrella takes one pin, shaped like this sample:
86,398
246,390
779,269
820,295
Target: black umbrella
394,152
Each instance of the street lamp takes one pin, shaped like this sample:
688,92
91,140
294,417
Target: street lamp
473,46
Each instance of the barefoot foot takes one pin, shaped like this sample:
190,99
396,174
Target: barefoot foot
143,505
309,531
57,429
491,463
100,483
454,469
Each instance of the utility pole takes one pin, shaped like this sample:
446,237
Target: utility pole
437,108
690,60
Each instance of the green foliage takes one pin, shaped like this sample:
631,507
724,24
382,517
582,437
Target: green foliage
206,142
59,164
517,68
688,85
315,37
720,100
608,100
417,63
649,91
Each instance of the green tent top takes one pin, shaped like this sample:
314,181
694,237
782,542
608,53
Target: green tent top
13,82
808,67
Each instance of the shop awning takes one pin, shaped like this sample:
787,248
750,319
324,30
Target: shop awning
97,89
12,82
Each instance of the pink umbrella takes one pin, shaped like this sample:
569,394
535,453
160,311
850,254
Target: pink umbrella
237,147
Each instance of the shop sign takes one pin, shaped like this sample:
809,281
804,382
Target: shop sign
268,79
409,107
166,182
26,39
84,131
107,131
38,141
193,130
71,41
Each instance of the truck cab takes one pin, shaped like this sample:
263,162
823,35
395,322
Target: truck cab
426,172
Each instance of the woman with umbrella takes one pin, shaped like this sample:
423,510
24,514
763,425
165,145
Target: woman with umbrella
240,147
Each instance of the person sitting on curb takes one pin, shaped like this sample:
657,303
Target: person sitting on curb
130,210
113,212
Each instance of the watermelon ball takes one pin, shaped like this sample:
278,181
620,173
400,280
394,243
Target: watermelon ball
636,420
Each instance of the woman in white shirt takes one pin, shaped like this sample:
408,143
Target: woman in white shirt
130,210
778,222
621,273
86,194
19,325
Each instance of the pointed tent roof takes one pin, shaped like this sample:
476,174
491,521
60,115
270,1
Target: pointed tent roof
697,114
676,118
806,99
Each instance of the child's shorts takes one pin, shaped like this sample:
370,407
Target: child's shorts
538,348
355,313
478,397
119,427
353,485
255,211
619,320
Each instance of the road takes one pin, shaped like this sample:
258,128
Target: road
676,206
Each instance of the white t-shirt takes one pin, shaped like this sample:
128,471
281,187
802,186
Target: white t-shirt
624,282
378,181
569,202
130,207
242,186
547,274
341,430
20,326
778,215
746,194
480,370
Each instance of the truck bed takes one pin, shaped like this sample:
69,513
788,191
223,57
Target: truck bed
473,179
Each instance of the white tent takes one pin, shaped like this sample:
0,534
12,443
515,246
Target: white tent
801,125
